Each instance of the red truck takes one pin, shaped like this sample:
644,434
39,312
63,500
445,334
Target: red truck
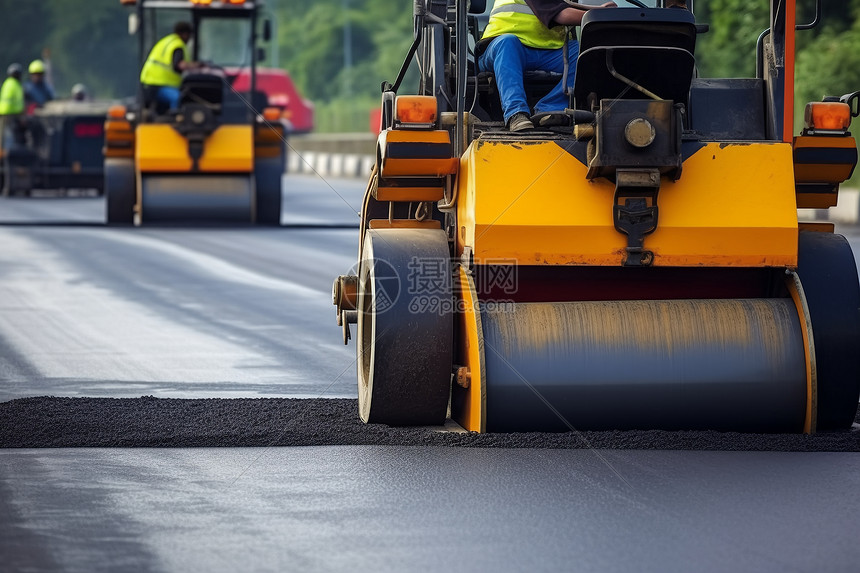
282,93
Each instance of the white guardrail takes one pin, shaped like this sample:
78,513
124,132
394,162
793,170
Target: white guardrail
332,154
327,164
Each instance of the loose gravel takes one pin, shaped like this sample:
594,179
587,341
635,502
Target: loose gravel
49,422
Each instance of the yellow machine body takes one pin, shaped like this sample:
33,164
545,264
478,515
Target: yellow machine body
733,207
161,148
635,265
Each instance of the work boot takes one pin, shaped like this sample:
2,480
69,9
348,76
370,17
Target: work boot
520,122
551,119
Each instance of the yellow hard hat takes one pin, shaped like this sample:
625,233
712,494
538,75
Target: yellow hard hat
36,67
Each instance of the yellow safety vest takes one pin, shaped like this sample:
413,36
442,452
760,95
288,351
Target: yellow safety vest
515,17
158,68
11,97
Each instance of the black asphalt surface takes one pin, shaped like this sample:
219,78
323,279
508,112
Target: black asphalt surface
132,361
48,422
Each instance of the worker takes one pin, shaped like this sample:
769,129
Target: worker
37,90
161,75
526,35
12,127
79,92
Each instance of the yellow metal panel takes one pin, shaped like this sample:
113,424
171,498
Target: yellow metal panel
733,206
160,148
817,200
409,160
406,167
414,136
267,140
818,227
795,288
469,405
229,148
119,139
384,193
839,148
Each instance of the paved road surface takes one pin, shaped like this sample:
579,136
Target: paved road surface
87,310
378,509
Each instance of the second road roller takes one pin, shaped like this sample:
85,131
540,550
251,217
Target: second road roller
639,266
217,156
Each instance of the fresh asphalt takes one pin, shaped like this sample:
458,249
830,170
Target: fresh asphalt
205,404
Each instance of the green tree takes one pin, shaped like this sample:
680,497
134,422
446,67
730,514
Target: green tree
311,39
92,46
728,49
24,29
829,65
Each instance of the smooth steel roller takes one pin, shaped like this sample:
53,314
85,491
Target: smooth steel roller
733,365
211,198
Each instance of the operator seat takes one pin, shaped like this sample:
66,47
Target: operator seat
205,89
650,47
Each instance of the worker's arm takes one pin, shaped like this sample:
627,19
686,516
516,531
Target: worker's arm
180,64
572,16
560,12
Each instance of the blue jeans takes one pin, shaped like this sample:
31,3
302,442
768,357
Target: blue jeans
508,59
168,96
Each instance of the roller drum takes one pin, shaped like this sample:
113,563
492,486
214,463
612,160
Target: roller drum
731,365
211,198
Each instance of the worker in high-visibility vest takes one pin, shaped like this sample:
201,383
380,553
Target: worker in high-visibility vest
12,92
38,91
12,108
161,75
526,35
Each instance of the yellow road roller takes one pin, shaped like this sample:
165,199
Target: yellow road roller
218,154
640,266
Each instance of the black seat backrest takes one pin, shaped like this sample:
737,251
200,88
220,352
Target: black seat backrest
653,47
201,88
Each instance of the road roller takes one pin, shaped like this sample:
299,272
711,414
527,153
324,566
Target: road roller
220,155
640,266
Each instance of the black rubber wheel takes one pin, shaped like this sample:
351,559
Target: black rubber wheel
120,191
828,274
19,164
405,327
268,174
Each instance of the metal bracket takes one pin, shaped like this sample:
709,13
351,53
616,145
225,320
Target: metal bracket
635,211
467,260
344,319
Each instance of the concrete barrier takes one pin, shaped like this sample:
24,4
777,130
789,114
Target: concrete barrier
332,154
330,164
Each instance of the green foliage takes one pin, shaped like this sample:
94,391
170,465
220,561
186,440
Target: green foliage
344,114
89,43
829,64
87,40
344,79
93,47
24,28
728,49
